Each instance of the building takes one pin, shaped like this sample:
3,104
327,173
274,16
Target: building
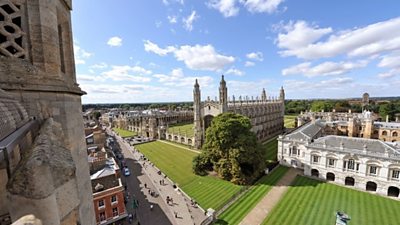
41,116
266,114
363,125
108,191
366,164
152,123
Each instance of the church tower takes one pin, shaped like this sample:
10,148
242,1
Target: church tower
223,95
197,116
282,94
263,95
37,68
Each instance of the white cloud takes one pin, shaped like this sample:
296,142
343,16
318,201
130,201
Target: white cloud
152,47
158,24
246,88
391,73
167,2
102,65
390,61
336,84
115,41
88,77
366,41
255,56
81,54
261,6
135,73
178,79
300,34
234,72
172,19
202,57
198,57
324,69
188,21
226,7
249,64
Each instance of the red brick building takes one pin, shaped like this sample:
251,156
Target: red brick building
108,194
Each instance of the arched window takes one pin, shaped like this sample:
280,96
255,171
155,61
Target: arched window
384,133
394,134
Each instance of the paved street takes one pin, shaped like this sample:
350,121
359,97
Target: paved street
180,212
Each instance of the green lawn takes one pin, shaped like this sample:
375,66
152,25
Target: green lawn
182,129
237,211
271,150
314,202
124,133
289,121
176,163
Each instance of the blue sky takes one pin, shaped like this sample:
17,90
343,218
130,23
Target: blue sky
152,50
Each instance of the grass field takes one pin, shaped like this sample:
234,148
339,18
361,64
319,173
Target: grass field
313,202
237,211
271,150
289,121
176,163
182,129
124,133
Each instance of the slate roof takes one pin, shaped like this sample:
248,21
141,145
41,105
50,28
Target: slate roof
307,131
352,143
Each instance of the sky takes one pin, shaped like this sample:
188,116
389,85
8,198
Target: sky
135,51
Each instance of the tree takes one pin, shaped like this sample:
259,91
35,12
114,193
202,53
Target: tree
318,106
232,150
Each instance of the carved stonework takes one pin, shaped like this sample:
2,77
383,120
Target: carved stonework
11,33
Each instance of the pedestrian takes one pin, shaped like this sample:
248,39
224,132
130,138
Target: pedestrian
160,182
145,185
151,207
172,201
176,214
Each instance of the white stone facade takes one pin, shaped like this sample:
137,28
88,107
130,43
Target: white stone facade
366,164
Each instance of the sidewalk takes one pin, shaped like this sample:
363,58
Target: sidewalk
186,214
261,210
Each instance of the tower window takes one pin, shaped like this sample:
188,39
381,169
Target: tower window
11,34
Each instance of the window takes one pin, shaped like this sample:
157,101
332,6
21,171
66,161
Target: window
373,170
331,162
315,159
101,203
394,134
115,211
350,164
11,37
294,150
395,174
102,216
113,199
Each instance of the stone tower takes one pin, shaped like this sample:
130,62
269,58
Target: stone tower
223,95
37,68
282,99
365,101
282,94
263,95
198,131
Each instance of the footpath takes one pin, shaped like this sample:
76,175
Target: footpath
181,209
261,210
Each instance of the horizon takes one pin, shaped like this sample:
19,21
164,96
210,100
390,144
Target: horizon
313,49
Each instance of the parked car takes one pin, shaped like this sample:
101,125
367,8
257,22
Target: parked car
126,172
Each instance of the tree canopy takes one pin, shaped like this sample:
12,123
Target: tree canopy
231,149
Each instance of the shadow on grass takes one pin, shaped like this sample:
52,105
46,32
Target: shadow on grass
220,222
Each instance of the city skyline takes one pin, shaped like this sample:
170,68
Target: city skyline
313,49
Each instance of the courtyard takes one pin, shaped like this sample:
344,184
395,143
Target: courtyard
309,201
176,163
